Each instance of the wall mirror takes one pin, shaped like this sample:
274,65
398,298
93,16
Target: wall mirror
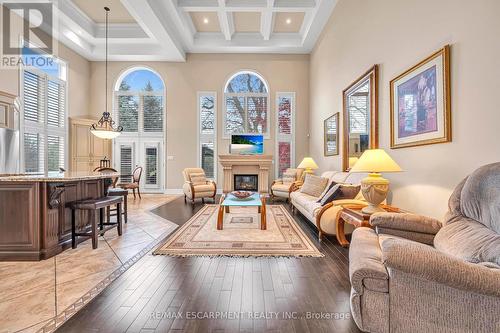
331,133
360,117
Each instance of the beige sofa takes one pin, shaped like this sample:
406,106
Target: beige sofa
325,217
414,274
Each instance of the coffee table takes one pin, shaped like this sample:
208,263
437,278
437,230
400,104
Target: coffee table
229,200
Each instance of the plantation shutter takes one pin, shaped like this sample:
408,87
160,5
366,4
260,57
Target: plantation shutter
34,97
128,113
126,163
151,165
55,152
56,101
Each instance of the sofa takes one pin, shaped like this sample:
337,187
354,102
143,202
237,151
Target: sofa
418,274
282,189
325,217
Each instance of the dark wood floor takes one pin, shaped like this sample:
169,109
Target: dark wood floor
166,294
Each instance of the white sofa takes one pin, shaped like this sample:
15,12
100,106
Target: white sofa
325,217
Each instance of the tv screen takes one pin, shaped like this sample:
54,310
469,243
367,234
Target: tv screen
246,144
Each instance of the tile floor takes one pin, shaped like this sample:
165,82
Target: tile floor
44,289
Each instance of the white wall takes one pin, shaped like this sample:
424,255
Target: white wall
396,35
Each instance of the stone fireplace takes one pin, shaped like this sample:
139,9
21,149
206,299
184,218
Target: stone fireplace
246,165
246,182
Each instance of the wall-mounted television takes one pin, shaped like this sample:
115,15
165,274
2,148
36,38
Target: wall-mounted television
247,144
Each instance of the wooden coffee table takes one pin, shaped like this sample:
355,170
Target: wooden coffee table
229,200
354,216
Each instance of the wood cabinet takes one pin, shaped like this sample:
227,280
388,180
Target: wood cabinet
86,149
8,110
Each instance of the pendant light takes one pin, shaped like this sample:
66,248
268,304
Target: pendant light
105,127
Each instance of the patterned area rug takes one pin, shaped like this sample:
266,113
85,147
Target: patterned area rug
241,235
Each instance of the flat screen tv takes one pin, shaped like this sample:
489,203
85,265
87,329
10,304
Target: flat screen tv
247,144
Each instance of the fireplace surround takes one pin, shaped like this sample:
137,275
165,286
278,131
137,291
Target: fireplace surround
259,165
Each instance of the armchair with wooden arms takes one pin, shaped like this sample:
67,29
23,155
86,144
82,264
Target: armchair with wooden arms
291,181
196,186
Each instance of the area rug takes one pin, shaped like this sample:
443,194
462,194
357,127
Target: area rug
241,235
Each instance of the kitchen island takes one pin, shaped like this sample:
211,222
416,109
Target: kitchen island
35,221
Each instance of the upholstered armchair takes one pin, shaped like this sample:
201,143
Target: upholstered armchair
416,274
292,180
196,185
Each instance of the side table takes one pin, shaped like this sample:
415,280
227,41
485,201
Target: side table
354,216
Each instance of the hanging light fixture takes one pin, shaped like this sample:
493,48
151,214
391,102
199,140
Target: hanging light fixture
105,127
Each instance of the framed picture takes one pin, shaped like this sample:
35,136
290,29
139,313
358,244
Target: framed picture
331,132
420,103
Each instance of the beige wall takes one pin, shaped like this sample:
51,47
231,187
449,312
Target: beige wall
78,78
209,72
397,34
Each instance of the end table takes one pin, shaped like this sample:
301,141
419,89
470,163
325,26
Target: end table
354,216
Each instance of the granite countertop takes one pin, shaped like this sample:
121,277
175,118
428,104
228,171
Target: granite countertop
58,176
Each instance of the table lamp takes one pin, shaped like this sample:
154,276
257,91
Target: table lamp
308,164
375,187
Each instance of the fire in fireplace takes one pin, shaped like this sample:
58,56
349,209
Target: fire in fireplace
246,182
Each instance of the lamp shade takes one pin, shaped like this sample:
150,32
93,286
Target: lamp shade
308,163
375,160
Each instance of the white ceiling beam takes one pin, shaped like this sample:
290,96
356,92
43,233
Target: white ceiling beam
156,27
316,22
225,20
267,20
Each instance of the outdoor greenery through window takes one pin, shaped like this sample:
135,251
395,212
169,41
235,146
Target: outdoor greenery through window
246,102
207,132
140,102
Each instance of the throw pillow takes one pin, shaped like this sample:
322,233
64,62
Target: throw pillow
289,177
327,188
198,179
314,185
348,191
330,195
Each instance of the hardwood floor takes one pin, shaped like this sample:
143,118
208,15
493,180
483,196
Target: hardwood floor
201,294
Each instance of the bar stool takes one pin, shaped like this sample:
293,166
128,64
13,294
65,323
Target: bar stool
116,192
92,205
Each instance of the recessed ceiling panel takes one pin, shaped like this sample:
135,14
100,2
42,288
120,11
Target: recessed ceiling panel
246,21
288,22
205,21
95,10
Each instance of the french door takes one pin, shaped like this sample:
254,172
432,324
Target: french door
147,153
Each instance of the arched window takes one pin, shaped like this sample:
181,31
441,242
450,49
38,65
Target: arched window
246,104
139,106
139,101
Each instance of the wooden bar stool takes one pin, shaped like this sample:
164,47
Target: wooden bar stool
116,192
92,206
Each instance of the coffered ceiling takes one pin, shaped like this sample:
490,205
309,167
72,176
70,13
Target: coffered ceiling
168,29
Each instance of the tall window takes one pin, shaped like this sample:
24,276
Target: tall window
246,104
139,106
207,132
44,113
285,130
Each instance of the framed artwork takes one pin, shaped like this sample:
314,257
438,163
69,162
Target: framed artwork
331,132
420,103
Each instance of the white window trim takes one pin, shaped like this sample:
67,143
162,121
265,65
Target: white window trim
267,134
290,95
145,137
198,129
44,128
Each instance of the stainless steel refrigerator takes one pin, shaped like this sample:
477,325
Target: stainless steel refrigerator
9,151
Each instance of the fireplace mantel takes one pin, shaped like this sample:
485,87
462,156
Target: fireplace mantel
246,164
